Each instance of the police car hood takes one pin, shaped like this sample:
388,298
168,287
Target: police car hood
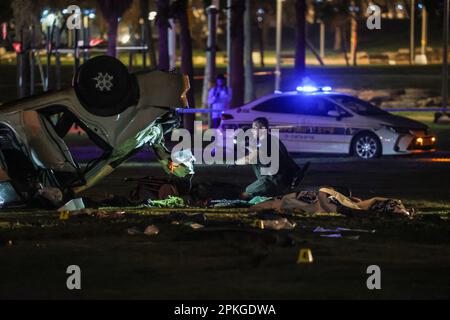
398,121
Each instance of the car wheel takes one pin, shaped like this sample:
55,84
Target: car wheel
104,86
366,146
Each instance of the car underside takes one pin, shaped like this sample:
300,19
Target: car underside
36,164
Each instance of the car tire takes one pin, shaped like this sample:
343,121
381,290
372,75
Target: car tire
104,86
366,146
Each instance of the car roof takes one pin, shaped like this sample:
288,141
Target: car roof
330,94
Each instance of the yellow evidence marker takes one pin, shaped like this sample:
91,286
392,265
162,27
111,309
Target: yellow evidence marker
64,215
305,256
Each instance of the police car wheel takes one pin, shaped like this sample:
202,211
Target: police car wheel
366,146
104,86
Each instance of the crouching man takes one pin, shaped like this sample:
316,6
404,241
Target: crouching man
270,180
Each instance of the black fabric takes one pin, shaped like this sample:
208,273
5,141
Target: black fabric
287,167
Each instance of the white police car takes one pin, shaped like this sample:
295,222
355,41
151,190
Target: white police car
318,120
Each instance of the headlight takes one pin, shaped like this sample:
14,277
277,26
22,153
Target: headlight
398,129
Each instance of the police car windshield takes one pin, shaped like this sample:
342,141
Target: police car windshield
358,106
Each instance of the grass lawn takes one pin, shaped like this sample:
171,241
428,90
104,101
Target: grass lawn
227,259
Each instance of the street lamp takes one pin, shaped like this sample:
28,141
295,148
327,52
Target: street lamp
152,15
412,31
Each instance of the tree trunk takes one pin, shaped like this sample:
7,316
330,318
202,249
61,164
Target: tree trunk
337,38
344,45
210,67
187,66
237,53
163,43
300,43
354,40
261,45
148,29
248,53
113,25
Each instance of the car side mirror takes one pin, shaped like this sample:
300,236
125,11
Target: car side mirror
334,114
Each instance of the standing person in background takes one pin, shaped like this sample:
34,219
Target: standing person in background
219,99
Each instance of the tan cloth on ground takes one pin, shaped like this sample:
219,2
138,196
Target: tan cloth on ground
327,200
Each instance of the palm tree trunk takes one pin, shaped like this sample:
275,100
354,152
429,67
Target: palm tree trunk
187,66
248,53
354,40
300,43
148,29
337,38
344,45
113,25
163,43
237,53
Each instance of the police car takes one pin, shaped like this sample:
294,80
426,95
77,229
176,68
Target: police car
318,120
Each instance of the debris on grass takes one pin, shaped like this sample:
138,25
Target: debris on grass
194,225
225,203
102,214
170,202
339,235
278,224
151,230
73,205
133,231
339,229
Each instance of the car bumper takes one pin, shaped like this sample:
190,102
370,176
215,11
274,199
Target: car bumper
415,142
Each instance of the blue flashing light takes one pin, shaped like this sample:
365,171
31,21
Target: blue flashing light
307,89
311,89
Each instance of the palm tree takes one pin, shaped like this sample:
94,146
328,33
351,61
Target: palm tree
25,14
162,20
300,42
248,52
237,53
112,10
180,10
148,29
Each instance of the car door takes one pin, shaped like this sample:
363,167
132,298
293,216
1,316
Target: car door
280,111
320,131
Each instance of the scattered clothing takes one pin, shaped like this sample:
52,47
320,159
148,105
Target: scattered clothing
328,200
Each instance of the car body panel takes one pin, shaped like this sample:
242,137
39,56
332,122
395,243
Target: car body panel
27,120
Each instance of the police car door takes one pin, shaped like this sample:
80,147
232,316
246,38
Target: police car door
280,111
322,128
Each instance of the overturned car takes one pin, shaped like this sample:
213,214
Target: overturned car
120,113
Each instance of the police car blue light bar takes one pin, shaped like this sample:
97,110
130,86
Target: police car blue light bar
310,89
